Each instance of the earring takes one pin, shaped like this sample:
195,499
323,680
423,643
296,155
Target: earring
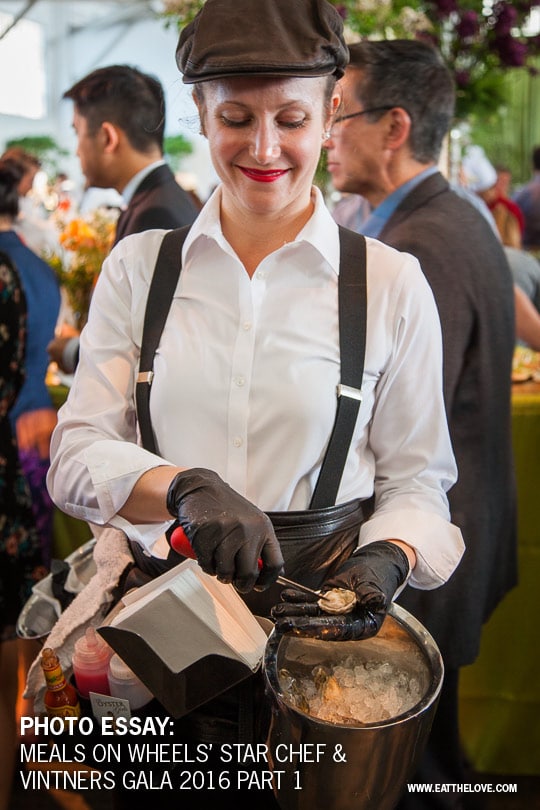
326,134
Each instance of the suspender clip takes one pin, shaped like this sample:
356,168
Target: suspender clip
348,391
145,377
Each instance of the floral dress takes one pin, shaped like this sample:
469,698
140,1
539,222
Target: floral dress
20,552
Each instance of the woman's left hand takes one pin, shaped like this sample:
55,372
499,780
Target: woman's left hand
373,574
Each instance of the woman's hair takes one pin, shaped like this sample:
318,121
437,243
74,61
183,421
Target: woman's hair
11,173
25,159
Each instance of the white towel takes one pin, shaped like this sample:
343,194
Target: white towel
88,609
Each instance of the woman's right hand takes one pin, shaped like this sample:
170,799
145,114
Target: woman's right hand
228,533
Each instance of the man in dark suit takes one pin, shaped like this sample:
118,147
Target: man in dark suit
157,202
119,118
398,102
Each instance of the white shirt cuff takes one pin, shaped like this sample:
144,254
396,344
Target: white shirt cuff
438,544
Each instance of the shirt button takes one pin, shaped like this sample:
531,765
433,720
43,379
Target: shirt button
261,274
247,325
239,381
237,441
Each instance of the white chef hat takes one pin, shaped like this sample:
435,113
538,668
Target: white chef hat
479,174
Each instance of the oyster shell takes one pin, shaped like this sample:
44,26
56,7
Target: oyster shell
327,685
337,600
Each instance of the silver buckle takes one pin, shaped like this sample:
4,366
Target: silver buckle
348,391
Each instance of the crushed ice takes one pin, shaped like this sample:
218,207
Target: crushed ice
350,692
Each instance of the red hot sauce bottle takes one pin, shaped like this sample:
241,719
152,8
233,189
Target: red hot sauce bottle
60,697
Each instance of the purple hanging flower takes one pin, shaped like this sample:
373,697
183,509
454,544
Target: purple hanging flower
468,25
505,18
462,78
342,11
512,52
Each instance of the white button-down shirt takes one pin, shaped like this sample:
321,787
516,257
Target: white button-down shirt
245,384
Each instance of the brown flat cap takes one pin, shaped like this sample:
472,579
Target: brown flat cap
263,38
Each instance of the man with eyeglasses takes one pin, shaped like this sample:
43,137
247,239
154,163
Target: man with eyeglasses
398,104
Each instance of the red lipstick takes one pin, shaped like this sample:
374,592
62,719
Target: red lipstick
263,175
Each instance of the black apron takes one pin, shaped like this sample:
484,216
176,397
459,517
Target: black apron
314,542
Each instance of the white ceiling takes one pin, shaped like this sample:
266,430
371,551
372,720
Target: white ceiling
81,35
86,13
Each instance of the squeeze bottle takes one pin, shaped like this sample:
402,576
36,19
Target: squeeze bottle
91,658
125,684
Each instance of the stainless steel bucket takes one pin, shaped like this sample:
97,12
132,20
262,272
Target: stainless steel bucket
352,764
42,610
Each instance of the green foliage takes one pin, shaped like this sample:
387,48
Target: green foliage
177,147
509,136
482,98
44,148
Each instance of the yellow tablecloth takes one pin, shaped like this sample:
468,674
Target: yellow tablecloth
68,534
58,394
500,692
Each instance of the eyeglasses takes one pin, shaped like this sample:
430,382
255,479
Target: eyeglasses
362,112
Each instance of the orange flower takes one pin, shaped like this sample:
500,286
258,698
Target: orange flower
85,244
80,235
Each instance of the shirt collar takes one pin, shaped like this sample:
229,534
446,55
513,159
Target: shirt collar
317,231
137,179
378,218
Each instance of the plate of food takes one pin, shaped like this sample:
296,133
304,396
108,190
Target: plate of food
525,365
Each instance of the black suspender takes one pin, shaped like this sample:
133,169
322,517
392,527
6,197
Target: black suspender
160,295
352,338
352,346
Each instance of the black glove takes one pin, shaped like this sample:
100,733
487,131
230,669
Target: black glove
228,533
374,573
